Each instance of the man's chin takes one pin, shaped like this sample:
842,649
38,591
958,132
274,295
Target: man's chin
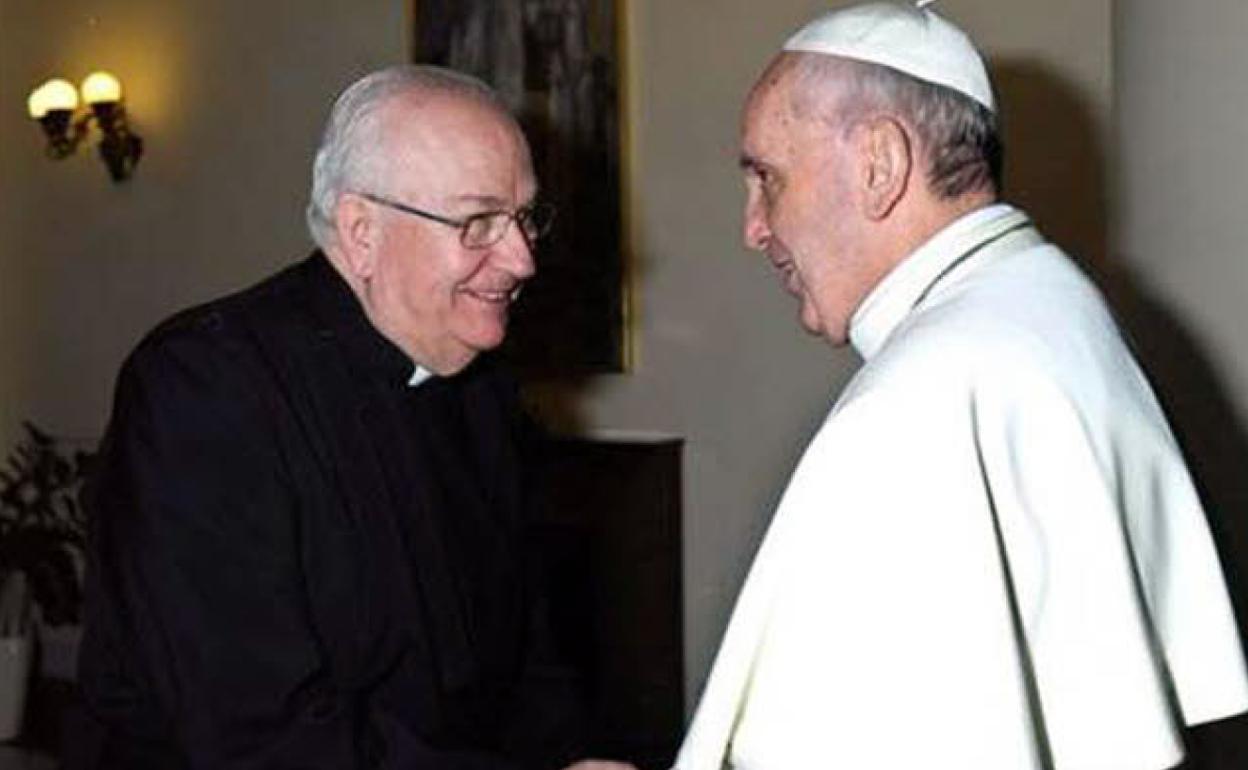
458,351
808,319
494,336
485,338
814,326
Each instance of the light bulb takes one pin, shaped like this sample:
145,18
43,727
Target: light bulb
101,87
55,94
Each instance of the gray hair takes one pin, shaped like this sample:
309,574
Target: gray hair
351,155
962,137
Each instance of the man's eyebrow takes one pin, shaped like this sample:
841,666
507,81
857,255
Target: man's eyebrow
751,164
492,202
482,200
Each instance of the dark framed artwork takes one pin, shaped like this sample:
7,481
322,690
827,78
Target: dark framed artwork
556,64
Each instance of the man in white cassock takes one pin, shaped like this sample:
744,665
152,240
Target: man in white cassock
991,555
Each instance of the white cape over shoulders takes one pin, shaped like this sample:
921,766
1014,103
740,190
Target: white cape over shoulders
990,556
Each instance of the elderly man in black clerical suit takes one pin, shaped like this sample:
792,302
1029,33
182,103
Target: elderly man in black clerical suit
308,547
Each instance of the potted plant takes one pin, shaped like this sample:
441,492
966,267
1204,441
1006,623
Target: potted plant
42,539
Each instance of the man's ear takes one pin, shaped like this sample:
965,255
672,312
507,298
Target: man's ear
355,226
887,162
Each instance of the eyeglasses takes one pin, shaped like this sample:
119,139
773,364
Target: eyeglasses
487,228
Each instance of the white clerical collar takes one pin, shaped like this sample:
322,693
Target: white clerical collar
892,299
419,375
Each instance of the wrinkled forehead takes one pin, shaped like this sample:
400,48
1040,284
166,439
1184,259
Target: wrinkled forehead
450,145
768,115
798,93
806,83
772,84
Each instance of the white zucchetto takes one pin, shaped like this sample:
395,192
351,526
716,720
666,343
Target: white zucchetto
907,38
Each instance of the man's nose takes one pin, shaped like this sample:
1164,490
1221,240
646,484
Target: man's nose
755,231
516,253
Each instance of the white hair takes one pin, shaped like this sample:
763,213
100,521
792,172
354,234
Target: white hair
962,137
351,155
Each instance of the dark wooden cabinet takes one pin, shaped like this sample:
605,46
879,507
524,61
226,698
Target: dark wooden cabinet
610,531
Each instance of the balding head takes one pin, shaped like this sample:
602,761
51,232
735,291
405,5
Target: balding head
355,150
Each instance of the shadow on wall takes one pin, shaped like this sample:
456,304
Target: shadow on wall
1056,170
1055,166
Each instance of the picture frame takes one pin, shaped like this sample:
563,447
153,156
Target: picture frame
558,66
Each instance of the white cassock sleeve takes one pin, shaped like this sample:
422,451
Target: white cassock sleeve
1125,615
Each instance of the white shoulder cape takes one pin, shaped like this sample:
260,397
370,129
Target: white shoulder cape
990,556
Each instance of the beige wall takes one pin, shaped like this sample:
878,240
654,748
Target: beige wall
229,96
1181,226
1183,181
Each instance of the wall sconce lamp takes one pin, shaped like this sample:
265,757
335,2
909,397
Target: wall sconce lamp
55,104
